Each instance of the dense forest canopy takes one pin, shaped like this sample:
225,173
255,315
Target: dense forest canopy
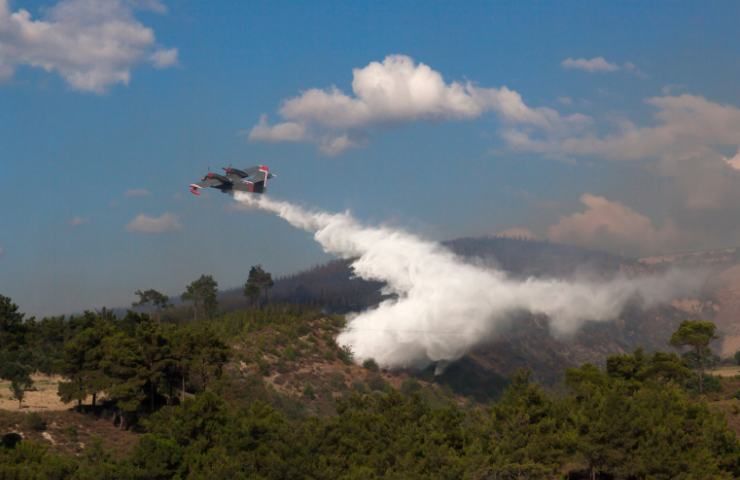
639,417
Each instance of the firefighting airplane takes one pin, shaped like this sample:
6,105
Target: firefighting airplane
252,179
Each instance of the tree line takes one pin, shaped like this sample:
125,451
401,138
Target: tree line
631,420
136,362
640,416
128,358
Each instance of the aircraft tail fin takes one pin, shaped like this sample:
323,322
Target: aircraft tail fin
195,189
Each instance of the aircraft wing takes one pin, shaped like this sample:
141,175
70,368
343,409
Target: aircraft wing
205,183
253,174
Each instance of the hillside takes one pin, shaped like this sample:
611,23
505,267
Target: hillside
528,343
333,287
269,394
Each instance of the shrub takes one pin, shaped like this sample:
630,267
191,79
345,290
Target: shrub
309,393
410,386
71,432
336,380
370,364
345,354
376,383
290,354
264,367
10,440
35,422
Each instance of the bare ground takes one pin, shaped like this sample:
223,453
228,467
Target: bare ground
725,371
42,397
64,430
68,431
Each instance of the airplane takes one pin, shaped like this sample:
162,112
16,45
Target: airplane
252,179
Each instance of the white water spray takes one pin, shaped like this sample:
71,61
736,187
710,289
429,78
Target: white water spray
443,306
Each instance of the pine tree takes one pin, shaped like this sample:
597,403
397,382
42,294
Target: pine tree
203,293
258,284
697,335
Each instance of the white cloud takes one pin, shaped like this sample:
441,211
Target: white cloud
167,222
77,221
681,159
682,122
395,91
282,132
591,65
164,57
681,144
137,192
336,145
92,44
612,225
600,65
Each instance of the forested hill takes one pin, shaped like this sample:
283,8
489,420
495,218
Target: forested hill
529,343
267,393
332,286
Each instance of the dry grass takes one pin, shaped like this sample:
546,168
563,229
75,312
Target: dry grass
43,397
66,430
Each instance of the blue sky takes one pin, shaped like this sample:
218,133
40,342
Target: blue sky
618,128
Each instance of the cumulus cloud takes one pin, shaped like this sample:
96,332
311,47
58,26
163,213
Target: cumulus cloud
610,224
77,221
167,222
137,192
682,144
681,123
395,91
590,65
92,44
282,132
681,154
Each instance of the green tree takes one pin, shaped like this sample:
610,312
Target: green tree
12,329
530,429
638,366
123,362
258,284
20,380
45,341
82,363
252,292
203,293
696,335
156,358
208,356
15,358
154,298
183,343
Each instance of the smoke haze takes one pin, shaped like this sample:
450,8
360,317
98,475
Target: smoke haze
442,306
